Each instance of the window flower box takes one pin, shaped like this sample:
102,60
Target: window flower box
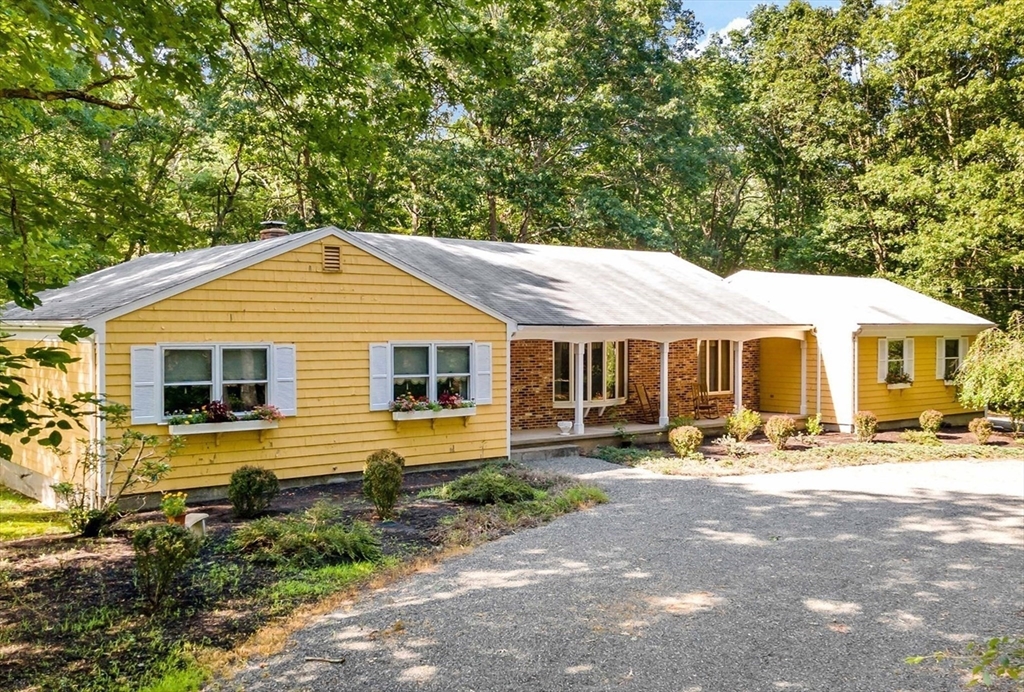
464,413
218,428
899,385
949,383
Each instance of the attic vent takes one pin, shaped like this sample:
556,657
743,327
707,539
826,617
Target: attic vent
332,258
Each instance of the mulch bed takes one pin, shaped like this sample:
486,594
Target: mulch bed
48,582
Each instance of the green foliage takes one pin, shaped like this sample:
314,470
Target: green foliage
814,427
131,463
488,486
679,421
382,481
685,440
736,449
742,424
315,538
778,430
920,437
981,428
627,456
931,421
161,553
173,504
992,373
23,517
865,426
992,661
251,490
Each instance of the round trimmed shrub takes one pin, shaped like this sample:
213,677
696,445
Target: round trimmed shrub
382,481
865,426
251,490
685,440
981,428
931,420
742,424
779,429
161,553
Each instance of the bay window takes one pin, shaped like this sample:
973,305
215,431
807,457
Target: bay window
604,373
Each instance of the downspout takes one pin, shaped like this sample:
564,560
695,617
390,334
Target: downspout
100,344
856,372
817,378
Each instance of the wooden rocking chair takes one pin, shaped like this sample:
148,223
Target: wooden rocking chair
703,405
643,399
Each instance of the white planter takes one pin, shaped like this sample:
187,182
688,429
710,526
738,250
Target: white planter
949,383
432,416
217,428
899,385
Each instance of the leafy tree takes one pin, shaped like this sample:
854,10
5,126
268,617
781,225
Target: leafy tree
992,374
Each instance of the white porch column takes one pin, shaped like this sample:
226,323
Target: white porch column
803,377
577,427
663,409
738,375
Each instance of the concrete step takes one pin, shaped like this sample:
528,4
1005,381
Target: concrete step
543,452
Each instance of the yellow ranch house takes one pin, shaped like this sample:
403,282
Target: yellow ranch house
516,347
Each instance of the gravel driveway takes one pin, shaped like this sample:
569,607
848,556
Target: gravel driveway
817,580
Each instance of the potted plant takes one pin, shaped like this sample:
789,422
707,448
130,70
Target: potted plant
897,379
174,508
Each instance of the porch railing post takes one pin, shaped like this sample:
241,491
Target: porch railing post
663,391
577,426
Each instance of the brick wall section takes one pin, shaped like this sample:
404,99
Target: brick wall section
533,372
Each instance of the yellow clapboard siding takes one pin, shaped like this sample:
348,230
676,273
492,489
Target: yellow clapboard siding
780,375
926,392
78,378
331,318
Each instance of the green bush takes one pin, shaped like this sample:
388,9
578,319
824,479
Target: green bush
685,440
920,437
251,490
627,456
161,553
814,426
382,481
981,428
931,420
314,538
865,426
488,486
742,424
779,429
679,422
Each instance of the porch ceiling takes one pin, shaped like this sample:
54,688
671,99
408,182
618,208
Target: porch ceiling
662,333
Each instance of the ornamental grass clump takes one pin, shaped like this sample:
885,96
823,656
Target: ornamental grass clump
742,424
778,430
685,440
865,426
981,428
383,474
488,486
931,421
251,490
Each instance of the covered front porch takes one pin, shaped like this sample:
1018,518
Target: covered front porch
559,375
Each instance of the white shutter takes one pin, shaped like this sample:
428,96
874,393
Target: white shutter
965,346
285,395
883,359
483,380
940,358
380,377
908,357
145,403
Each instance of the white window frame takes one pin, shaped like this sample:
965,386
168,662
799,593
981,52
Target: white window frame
621,375
727,358
942,359
903,360
432,376
217,389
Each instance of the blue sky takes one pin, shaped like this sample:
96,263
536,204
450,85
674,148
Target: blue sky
716,15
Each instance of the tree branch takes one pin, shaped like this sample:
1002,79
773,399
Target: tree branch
83,94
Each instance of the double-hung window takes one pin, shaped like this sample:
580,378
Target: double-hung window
949,355
604,372
193,376
429,371
896,361
714,366
897,358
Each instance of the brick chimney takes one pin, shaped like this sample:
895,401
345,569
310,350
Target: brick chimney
272,229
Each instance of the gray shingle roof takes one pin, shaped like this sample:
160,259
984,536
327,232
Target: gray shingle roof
572,286
849,299
114,287
528,284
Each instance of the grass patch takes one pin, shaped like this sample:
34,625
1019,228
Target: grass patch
822,457
23,517
305,586
550,495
